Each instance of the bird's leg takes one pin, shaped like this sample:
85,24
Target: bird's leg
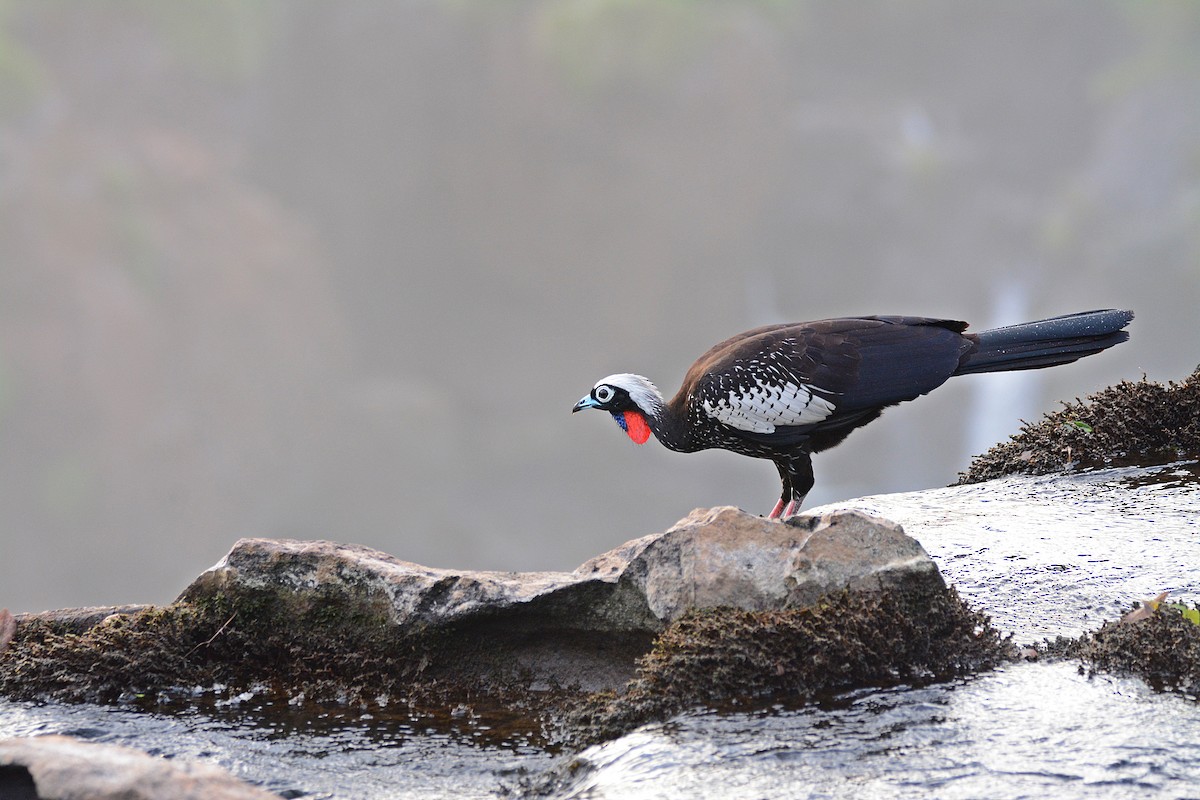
792,507
801,480
785,475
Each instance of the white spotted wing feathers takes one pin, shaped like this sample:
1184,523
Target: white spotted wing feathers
758,398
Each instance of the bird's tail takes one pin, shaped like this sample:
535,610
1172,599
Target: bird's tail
1047,342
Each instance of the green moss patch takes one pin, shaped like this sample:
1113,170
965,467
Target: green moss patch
1144,421
729,657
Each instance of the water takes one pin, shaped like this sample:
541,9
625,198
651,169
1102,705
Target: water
1045,556
1027,730
329,755
1050,556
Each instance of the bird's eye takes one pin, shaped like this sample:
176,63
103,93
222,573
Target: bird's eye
604,393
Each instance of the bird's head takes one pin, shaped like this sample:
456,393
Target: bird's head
632,400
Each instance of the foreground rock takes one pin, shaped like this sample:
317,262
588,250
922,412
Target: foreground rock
65,768
318,621
726,557
713,557
544,624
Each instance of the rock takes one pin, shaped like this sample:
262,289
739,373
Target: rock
327,620
726,557
65,768
412,596
587,627
714,557
77,620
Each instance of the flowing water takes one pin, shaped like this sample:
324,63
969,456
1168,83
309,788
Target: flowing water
1059,555
1045,556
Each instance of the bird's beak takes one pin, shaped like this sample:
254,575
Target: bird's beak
585,402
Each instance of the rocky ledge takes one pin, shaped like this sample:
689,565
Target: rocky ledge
724,606
562,626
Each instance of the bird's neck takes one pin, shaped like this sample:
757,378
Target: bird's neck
669,426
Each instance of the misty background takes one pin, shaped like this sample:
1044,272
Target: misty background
340,270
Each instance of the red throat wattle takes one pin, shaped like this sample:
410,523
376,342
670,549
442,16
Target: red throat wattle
635,425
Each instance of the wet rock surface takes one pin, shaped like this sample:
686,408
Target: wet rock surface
723,610
66,768
300,632
1141,422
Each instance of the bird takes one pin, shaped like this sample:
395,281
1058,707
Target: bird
786,391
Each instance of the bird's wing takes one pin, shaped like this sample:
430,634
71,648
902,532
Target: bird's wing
786,381
761,396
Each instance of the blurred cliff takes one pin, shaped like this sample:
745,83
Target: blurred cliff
339,270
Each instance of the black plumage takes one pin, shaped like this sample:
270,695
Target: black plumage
787,391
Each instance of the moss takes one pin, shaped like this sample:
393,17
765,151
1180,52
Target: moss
729,657
328,648
323,645
1163,649
1144,421
305,649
